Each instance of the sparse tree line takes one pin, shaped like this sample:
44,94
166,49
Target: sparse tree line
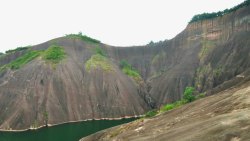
205,16
83,37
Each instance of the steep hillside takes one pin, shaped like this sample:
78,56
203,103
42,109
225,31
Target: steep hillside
83,85
221,117
205,55
76,78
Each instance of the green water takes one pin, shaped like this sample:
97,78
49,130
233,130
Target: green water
64,132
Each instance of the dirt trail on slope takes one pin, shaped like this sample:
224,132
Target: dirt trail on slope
221,117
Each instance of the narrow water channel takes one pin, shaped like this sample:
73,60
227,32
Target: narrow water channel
64,132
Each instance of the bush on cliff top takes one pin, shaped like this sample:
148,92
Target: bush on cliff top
17,49
205,16
82,37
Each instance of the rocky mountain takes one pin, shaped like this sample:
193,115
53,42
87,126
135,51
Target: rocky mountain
74,78
213,56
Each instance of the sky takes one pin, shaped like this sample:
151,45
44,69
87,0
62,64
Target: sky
114,22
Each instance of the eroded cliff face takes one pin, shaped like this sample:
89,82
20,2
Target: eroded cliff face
210,55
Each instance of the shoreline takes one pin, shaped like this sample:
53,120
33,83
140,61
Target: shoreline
52,125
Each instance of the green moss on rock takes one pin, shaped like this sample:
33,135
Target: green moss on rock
98,61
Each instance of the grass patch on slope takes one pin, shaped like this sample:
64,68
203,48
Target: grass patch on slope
188,97
100,61
54,54
21,61
129,70
82,37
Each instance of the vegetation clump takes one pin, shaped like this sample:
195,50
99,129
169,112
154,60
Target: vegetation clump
54,54
99,59
151,113
205,16
218,71
21,61
100,51
189,94
129,70
96,61
17,49
82,37
188,97
171,106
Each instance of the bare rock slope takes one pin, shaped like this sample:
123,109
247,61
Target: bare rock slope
221,117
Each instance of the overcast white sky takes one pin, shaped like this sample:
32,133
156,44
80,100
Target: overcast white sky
115,22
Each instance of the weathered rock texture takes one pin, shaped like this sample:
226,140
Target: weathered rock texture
221,117
211,55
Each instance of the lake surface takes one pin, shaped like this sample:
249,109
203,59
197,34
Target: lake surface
64,132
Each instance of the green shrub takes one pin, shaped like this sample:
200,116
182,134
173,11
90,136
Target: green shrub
128,69
54,54
131,72
188,97
151,113
201,95
124,63
82,37
167,107
100,51
188,94
172,105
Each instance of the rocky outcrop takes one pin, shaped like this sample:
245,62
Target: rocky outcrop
224,117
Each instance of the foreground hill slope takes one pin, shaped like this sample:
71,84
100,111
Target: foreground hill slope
223,117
